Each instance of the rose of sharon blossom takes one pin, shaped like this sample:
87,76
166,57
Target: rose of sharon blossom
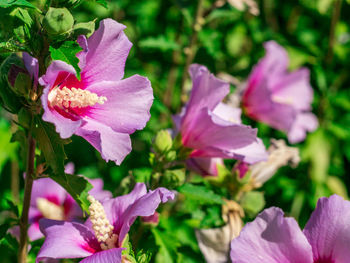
208,126
100,239
102,108
280,98
272,238
50,200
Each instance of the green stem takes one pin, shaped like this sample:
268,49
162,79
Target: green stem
23,244
334,22
191,49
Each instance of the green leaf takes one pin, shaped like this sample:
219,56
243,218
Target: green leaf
50,144
14,3
77,186
200,194
67,52
167,247
160,42
103,3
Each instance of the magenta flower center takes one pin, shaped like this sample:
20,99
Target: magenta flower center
324,260
65,98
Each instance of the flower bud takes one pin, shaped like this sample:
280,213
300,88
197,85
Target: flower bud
253,202
173,178
163,141
58,21
84,29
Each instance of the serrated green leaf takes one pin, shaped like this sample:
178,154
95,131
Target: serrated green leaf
77,186
50,144
67,52
14,3
200,194
160,42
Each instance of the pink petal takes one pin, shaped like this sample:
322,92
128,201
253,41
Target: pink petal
32,66
66,240
328,230
112,145
228,113
128,104
48,189
215,137
271,238
97,190
207,92
106,53
294,88
113,255
144,206
64,126
305,122
204,166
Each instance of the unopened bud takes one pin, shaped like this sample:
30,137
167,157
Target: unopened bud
163,141
58,21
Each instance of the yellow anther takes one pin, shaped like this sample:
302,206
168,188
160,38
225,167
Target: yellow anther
101,226
73,98
50,210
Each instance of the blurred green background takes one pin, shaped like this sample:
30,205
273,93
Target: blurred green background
316,34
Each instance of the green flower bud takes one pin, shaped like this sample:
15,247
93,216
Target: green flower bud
23,84
84,28
58,21
253,202
173,178
170,156
163,141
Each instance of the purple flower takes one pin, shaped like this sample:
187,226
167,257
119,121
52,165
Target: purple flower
279,98
102,108
50,200
210,127
272,238
100,239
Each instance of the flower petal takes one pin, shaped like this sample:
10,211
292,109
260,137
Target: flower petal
106,52
228,113
328,230
215,137
48,189
97,190
204,166
58,70
271,238
113,255
207,92
128,104
66,240
305,122
32,66
112,145
144,206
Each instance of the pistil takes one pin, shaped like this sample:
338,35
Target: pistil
102,228
73,98
50,210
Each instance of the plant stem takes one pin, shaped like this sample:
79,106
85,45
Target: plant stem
191,49
335,19
23,244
